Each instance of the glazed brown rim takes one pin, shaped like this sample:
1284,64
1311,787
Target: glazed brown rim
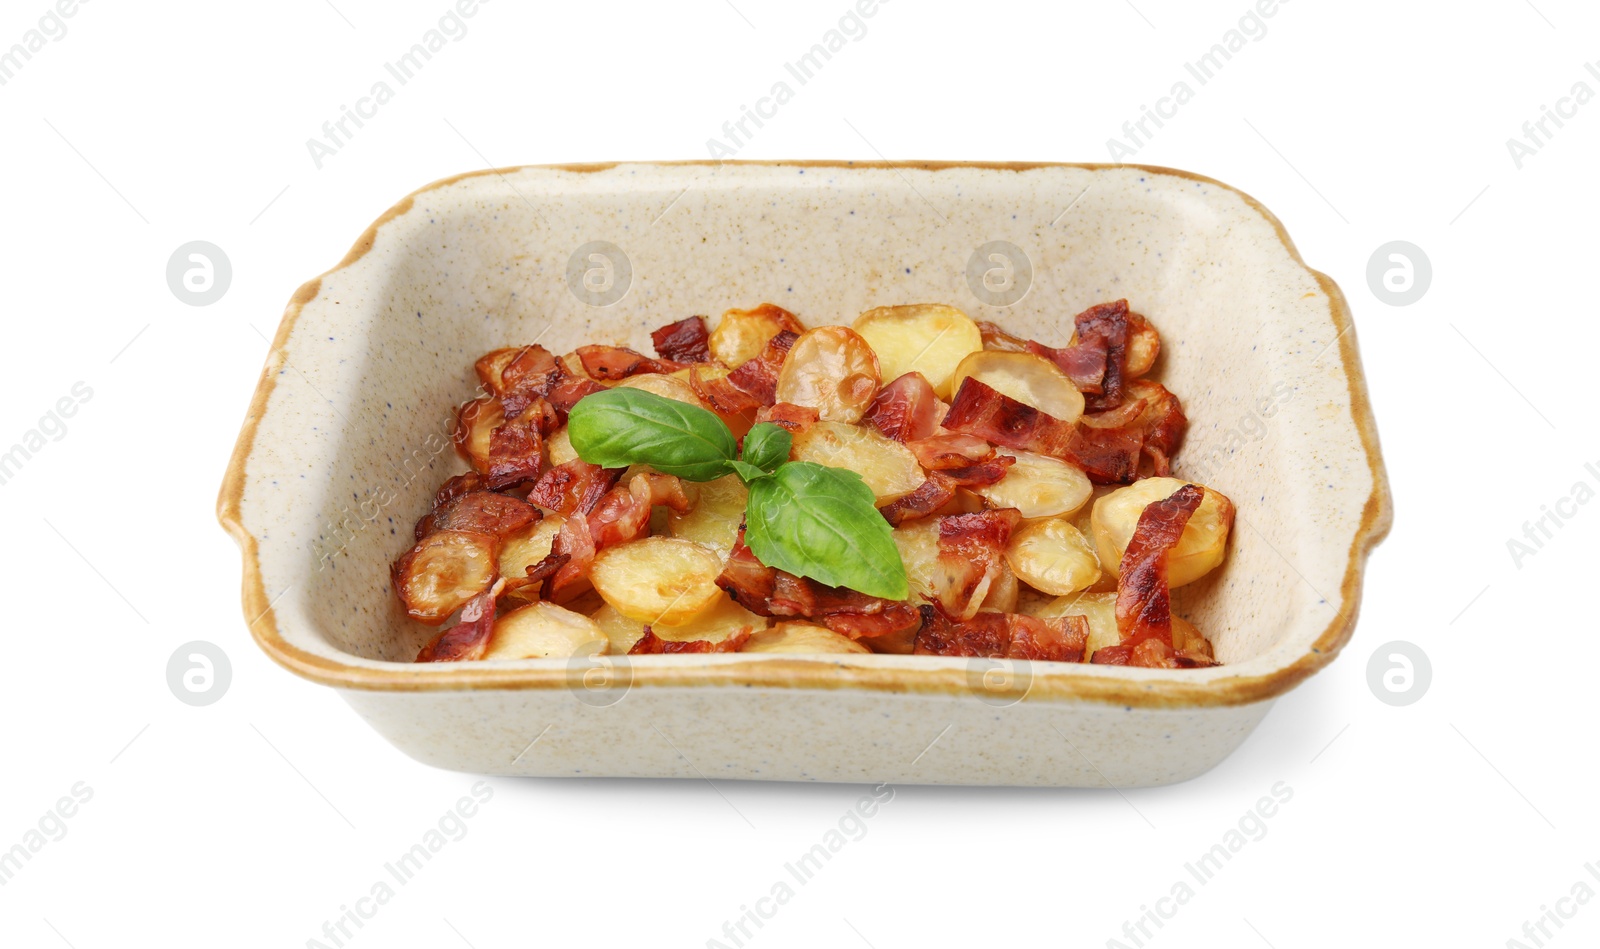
1065,685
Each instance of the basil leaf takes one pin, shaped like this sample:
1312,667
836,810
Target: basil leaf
820,522
767,446
746,471
621,427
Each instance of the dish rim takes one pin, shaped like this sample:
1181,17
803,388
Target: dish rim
1059,685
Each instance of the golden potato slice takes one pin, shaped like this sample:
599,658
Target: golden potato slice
558,448
442,572
666,386
657,579
544,631
719,622
833,370
928,338
1144,345
1101,610
1053,557
743,334
1032,380
918,542
888,467
621,632
1039,486
714,518
1003,593
1201,548
528,546
475,423
802,638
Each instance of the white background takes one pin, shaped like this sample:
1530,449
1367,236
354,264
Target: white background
250,822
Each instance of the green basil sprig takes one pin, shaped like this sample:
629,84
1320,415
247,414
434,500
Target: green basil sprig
804,518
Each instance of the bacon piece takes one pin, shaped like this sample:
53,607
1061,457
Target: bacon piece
1163,422
723,396
457,486
569,390
795,418
934,494
652,645
482,512
516,452
610,363
971,557
529,376
1107,455
1097,362
687,340
1002,636
768,591
980,410
566,568
905,409
1061,639
1111,655
1144,601
965,460
750,582
623,514
998,340
468,639
527,589
1121,417
759,376
984,634
573,487
896,625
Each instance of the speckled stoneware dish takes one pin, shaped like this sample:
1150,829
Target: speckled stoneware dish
347,438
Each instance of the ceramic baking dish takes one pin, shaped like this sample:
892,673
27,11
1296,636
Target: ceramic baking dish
347,437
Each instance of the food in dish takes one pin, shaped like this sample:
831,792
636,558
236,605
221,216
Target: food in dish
915,483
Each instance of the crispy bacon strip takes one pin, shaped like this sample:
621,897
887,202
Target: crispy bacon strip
566,567
759,376
687,340
573,487
1097,362
971,556
723,396
897,624
482,512
905,409
652,645
980,410
527,589
610,363
768,591
457,486
1144,601
1060,639
965,460
1107,455
984,634
1163,423
934,494
516,452
529,376
623,514
795,418
468,639
998,340
1002,635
